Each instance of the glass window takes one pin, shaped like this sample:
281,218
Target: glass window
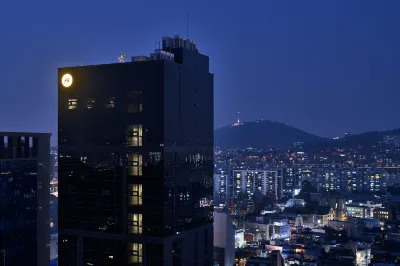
134,164
110,103
135,134
135,197
135,223
72,104
135,253
90,103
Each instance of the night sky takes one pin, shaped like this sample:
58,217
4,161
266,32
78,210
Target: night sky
323,66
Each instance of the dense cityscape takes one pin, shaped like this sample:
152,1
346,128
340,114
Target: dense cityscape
171,156
303,205
309,205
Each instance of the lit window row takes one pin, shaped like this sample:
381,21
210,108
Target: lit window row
135,197
135,253
134,135
135,223
72,104
90,103
134,165
110,103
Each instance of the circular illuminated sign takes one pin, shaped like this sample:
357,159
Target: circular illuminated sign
66,80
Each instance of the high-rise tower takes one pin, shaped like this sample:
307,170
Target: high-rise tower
24,199
136,160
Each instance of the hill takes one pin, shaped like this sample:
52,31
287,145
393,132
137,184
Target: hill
262,134
366,139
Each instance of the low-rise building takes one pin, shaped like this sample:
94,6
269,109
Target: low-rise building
281,229
325,214
347,226
273,259
383,214
358,211
293,203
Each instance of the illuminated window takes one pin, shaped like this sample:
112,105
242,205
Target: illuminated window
135,253
110,103
135,134
135,223
134,164
135,191
72,104
90,103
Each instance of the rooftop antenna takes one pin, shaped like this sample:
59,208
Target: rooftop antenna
122,58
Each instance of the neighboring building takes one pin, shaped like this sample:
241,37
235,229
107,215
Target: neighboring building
366,180
268,182
220,185
259,261
338,204
331,180
292,179
369,223
324,215
358,211
274,259
295,203
348,180
383,214
136,160
267,229
363,254
281,229
347,226
24,199
373,180
370,204
262,231
239,238
224,240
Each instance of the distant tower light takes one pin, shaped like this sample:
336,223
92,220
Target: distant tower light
238,120
122,58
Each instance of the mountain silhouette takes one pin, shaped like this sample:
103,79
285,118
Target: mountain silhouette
367,139
262,134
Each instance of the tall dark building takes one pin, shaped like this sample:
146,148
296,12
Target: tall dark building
136,160
24,199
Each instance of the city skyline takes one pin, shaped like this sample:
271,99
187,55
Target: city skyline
318,66
223,133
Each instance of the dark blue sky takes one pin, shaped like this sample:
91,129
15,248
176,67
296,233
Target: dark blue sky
323,66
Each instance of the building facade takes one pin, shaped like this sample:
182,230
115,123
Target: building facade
136,160
224,240
268,182
24,199
358,211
